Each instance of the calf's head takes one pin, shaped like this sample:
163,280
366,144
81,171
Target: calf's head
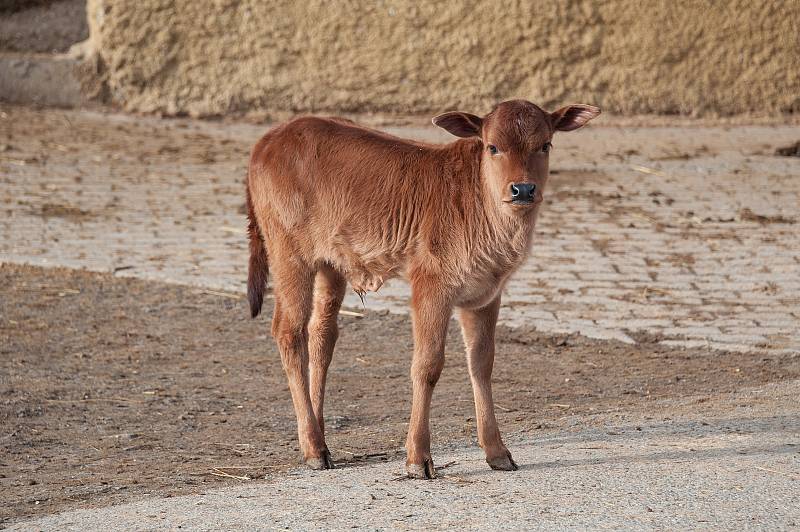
516,138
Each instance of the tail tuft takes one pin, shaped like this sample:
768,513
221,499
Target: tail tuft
258,270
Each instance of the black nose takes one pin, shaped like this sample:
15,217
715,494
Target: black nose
522,191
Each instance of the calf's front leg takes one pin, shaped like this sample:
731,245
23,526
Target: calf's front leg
430,314
477,328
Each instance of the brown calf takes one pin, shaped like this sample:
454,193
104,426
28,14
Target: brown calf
330,202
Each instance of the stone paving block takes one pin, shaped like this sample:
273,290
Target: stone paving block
743,339
637,324
701,332
601,333
785,270
783,321
687,344
600,276
610,291
741,347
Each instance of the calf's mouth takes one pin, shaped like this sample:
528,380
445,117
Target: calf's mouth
528,202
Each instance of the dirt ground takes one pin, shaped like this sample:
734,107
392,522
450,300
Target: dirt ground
112,389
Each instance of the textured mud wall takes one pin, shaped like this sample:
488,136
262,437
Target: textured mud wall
208,57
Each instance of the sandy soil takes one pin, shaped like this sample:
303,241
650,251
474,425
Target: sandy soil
113,389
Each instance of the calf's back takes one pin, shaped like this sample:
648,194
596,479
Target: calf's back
371,205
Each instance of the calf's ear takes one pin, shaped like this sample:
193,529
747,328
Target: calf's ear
573,116
460,124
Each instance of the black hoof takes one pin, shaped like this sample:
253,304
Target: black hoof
502,463
320,462
423,471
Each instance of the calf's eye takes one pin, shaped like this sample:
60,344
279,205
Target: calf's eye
546,147
492,149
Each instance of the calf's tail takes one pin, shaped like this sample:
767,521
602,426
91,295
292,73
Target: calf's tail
258,270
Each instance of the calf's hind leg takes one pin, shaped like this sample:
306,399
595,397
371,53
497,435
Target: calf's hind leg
293,289
323,331
477,327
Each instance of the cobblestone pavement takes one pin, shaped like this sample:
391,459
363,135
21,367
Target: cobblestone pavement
689,233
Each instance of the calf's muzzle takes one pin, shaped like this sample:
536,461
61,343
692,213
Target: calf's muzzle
522,192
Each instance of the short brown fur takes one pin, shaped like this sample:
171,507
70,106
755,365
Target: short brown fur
331,203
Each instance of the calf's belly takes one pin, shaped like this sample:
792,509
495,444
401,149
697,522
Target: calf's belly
364,273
